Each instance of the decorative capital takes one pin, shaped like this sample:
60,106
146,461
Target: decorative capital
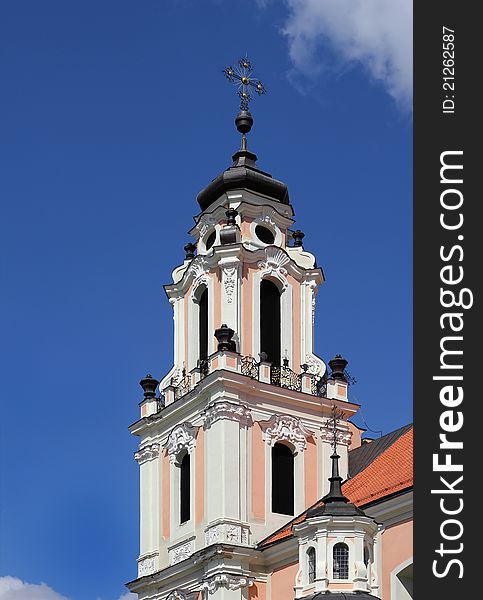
282,428
147,453
147,564
178,595
228,581
226,410
181,551
182,437
343,436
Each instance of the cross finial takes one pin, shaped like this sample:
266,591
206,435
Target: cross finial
242,77
331,425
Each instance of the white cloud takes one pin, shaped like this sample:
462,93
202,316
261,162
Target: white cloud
12,588
374,33
129,596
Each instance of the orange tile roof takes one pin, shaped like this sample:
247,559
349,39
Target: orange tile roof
389,473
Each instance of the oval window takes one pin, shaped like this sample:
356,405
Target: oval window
210,240
264,234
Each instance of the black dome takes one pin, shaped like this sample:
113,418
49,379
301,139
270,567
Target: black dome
243,174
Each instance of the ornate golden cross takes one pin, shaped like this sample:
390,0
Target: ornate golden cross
242,77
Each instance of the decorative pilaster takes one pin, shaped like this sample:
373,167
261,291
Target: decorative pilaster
229,266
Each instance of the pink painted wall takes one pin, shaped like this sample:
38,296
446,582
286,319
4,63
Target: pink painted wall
258,473
295,324
257,591
310,472
282,581
247,313
200,476
186,301
397,547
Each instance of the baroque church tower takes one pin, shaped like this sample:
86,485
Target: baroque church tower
234,444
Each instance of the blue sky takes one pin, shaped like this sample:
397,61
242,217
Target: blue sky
113,115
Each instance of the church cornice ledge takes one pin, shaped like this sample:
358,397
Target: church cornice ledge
169,577
245,208
221,379
270,260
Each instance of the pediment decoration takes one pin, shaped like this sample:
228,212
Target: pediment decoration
285,428
182,437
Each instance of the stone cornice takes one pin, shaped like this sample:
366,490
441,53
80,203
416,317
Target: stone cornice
223,380
200,266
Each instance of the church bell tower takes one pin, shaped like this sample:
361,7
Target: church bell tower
231,440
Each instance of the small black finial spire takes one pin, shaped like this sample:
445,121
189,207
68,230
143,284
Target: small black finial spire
190,251
338,365
335,491
297,237
149,385
224,335
334,502
231,215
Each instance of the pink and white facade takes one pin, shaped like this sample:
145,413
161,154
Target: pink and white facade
208,445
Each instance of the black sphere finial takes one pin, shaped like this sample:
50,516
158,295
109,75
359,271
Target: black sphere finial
149,385
244,121
297,237
338,365
223,335
190,251
231,215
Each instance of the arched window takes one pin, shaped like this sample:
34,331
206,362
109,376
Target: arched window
270,321
203,325
282,480
184,489
341,561
311,565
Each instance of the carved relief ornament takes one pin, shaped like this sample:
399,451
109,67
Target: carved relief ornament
226,410
284,428
229,282
274,265
182,437
177,595
343,436
147,453
228,581
199,271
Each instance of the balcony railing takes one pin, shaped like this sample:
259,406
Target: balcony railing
279,375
